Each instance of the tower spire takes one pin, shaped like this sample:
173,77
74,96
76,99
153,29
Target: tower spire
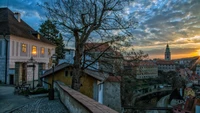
167,53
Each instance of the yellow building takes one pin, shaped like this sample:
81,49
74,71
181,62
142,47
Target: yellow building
89,80
189,92
97,85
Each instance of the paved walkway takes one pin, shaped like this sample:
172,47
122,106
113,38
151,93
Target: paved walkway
10,103
42,105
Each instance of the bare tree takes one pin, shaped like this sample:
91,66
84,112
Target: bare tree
89,20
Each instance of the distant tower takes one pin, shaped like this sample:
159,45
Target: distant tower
167,53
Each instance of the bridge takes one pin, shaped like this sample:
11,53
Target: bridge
150,98
165,89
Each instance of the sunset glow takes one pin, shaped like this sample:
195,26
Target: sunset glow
175,22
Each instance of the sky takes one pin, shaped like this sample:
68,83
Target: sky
176,22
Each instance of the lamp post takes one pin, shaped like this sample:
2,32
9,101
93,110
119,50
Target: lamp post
53,58
33,62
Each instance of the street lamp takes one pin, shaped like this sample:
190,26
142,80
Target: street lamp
53,58
32,64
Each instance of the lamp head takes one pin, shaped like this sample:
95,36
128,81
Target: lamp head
53,57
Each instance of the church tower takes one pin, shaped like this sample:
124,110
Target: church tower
167,53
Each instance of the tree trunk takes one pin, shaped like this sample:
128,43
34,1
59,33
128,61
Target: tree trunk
76,70
76,83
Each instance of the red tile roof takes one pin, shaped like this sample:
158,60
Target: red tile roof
114,79
140,63
165,62
101,47
97,47
96,74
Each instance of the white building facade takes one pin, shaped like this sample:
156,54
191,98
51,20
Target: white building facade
18,43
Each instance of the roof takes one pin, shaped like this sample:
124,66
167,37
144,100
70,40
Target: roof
57,68
101,47
95,74
144,63
97,47
114,79
165,62
11,26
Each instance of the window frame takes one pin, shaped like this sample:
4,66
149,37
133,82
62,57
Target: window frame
42,50
24,48
49,51
34,50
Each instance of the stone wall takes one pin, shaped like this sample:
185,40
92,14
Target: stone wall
112,96
79,103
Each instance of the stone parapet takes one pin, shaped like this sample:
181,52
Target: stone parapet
79,103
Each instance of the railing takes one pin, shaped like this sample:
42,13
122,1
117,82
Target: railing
154,91
77,102
24,87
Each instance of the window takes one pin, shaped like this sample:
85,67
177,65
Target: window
38,36
66,73
49,51
34,50
71,73
24,48
42,50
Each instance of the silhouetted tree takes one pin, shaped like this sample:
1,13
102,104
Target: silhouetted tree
85,19
48,30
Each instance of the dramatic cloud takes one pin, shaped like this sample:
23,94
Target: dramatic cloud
176,22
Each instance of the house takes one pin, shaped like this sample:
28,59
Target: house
18,43
185,73
142,69
189,75
189,92
197,69
166,65
192,105
69,56
103,57
97,56
99,86
187,62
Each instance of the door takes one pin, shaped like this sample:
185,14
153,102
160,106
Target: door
11,79
100,95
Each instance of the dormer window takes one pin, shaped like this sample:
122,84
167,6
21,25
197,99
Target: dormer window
35,34
38,36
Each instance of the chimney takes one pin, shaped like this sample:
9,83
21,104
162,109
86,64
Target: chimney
17,16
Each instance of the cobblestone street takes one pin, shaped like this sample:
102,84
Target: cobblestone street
10,103
43,105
